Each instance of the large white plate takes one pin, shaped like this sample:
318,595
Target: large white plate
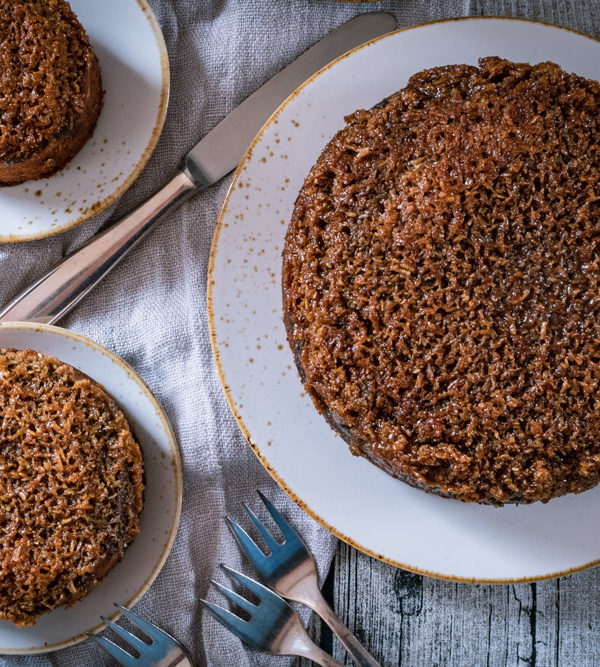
351,497
135,77
144,558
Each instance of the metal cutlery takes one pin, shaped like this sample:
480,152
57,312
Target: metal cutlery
162,651
56,293
272,625
291,571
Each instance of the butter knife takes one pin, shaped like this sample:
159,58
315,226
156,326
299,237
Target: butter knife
217,154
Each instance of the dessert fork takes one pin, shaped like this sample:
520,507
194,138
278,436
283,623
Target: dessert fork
162,651
272,626
291,571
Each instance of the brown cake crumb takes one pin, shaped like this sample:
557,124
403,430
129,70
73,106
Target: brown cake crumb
50,88
441,278
71,484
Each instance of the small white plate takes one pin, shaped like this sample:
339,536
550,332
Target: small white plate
350,496
127,40
144,558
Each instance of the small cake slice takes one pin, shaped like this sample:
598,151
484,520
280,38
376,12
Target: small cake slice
50,88
71,485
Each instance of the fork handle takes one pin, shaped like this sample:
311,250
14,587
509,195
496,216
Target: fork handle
306,648
359,653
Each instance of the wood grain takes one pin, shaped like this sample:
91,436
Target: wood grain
407,619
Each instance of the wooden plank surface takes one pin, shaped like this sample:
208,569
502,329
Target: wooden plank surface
409,620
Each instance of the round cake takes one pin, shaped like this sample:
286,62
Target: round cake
71,485
50,88
441,282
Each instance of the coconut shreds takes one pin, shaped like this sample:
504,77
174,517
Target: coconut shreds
71,484
43,56
442,282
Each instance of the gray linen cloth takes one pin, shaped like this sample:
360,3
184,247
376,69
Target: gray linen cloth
151,310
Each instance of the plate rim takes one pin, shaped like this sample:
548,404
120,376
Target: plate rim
213,331
177,471
161,116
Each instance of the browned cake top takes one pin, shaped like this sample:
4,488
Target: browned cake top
45,58
442,281
71,483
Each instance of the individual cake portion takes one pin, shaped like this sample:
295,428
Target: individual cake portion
71,485
50,88
441,282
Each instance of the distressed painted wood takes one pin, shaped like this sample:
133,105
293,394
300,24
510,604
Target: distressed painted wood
406,619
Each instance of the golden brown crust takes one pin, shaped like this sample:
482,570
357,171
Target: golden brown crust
71,485
357,446
440,279
50,88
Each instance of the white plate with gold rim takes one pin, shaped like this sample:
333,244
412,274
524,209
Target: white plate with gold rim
351,497
127,40
144,558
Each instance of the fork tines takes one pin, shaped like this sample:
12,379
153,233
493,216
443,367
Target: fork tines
260,560
138,645
265,618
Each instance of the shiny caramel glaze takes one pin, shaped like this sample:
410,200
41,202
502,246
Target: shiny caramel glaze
71,485
441,282
50,88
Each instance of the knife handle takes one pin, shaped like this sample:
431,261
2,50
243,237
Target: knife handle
56,293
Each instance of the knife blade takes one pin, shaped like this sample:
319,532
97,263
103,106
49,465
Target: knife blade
222,148
56,293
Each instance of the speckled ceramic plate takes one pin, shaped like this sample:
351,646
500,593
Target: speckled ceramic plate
351,497
144,558
135,77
